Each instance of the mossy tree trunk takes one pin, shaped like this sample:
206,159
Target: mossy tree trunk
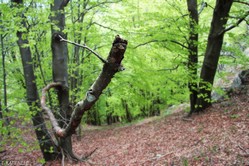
193,52
212,53
32,96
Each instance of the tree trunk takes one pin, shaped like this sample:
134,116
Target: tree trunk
193,52
212,54
60,72
127,112
32,94
5,102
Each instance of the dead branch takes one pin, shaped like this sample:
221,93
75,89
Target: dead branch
83,46
111,66
109,69
245,154
88,155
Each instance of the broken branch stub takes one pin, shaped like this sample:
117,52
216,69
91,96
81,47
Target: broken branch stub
109,69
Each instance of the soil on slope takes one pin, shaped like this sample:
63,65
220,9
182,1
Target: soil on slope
220,136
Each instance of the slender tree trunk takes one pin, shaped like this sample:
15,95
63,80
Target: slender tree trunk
1,113
75,60
60,72
5,98
32,96
212,54
193,52
127,112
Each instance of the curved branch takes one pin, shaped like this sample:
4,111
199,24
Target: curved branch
58,130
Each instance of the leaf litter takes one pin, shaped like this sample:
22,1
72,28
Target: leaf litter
219,136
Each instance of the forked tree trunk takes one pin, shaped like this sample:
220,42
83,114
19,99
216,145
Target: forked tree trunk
111,66
32,96
193,52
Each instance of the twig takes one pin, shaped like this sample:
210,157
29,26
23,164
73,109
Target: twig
170,69
236,24
87,156
83,46
158,157
245,154
245,3
187,118
155,40
106,27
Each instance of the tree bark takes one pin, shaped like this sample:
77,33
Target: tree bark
32,93
212,53
193,52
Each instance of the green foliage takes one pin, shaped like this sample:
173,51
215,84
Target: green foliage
234,116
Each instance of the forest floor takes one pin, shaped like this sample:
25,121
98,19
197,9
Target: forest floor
219,136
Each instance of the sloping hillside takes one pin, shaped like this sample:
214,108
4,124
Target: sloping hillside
220,136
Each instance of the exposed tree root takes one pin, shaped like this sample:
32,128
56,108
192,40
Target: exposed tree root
73,157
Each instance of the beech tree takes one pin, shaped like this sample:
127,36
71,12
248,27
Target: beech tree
193,51
211,57
186,41
111,66
65,124
32,95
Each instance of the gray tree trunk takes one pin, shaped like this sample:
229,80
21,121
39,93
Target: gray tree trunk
212,53
193,52
60,72
32,96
